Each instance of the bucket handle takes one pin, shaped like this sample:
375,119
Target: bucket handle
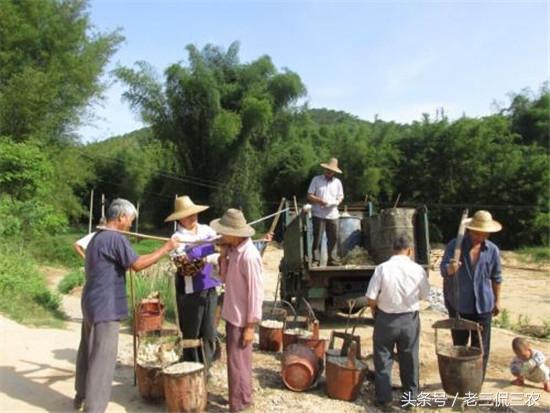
195,343
346,338
458,324
357,319
310,310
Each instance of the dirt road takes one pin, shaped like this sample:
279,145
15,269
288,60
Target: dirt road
37,364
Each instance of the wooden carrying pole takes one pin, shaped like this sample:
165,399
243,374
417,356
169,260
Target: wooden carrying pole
134,327
456,258
134,234
90,216
276,219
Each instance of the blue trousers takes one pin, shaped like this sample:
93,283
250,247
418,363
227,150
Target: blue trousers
401,330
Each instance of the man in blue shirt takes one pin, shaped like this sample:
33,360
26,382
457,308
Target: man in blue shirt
478,273
104,304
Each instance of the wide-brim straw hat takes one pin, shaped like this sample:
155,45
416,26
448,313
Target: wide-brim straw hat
232,223
332,165
184,207
483,221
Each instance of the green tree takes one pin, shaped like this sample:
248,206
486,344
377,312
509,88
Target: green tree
223,118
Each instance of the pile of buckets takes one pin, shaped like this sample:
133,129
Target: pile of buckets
305,355
182,385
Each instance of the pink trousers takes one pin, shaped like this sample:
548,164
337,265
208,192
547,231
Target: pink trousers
239,369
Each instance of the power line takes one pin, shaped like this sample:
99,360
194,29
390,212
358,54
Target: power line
180,178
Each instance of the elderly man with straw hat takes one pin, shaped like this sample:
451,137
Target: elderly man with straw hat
326,193
478,273
196,293
241,270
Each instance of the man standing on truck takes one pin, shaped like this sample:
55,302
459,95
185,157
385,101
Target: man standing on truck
326,193
393,296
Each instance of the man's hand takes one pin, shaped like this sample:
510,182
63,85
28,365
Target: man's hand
173,243
268,237
248,336
453,267
496,309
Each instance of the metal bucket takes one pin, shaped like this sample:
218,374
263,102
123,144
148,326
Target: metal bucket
345,375
271,338
150,382
185,392
385,227
460,367
350,235
300,367
318,345
149,316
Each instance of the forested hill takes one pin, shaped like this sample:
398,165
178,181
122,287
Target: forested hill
236,134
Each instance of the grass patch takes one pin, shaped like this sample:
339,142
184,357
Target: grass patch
539,255
522,325
146,246
57,249
24,294
157,278
72,280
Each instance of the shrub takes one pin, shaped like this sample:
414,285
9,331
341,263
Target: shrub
24,295
72,280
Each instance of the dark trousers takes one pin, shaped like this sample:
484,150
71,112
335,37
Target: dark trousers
461,337
95,364
331,227
390,330
239,369
197,317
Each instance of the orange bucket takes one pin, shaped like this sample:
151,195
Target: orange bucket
300,367
149,316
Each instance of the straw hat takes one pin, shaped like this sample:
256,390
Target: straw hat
483,221
332,165
232,223
184,207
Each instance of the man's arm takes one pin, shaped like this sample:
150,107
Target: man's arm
252,267
315,199
147,260
496,292
496,280
449,267
372,305
79,250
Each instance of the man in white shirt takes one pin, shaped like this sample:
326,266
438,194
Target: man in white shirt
326,193
393,295
80,245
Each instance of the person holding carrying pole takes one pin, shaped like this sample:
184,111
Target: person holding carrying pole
196,294
478,273
104,304
241,269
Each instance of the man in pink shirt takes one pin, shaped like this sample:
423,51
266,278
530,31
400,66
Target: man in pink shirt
241,270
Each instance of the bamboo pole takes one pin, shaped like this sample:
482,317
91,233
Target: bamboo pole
102,205
134,234
90,215
175,222
276,219
134,318
137,218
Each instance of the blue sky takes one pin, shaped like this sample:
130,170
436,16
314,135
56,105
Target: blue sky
396,59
